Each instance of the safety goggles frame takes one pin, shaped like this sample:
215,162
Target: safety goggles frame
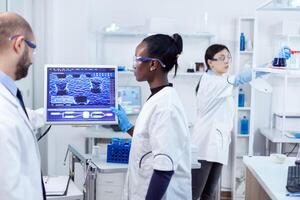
222,59
146,59
28,42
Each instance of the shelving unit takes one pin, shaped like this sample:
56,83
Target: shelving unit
280,78
244,59
179,74
279,136
118,47
244,108
246,52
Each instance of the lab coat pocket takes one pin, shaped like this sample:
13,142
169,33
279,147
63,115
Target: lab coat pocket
222,138
146,165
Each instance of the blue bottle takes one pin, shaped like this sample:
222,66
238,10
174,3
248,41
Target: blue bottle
241,99
244,126
242,42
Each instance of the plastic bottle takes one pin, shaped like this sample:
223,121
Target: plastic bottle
244,126
242,42
294,61
241,99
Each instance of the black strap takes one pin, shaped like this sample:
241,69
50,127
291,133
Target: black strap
43,188
19,96
198,85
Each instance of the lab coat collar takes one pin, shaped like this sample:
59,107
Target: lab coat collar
8,82
13,100
157,89
211,72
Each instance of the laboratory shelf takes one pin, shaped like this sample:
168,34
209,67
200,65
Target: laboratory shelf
106,133
179,74
141,34
240,156
125,73
296,36
243,135
277,136
280,71
193,74
246,52
241,142
277,6
244,108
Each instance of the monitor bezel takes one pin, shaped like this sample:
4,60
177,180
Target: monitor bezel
47,66
140,91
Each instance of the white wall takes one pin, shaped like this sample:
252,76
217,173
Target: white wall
70,38
72,29
23,8
2,6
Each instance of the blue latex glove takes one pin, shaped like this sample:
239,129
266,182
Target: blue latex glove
284,52
246,76
123,122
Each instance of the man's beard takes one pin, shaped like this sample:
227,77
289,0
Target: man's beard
23,66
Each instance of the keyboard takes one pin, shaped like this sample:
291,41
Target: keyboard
293,179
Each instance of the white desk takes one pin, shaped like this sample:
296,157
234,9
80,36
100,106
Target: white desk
266,179
99,172
276,136
73,193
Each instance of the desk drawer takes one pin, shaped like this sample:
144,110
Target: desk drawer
113,179
109,192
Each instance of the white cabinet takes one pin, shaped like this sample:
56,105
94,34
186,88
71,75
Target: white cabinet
244,61
110,186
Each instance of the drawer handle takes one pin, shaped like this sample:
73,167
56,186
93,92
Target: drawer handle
108,181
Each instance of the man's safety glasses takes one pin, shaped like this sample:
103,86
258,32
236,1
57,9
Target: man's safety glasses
28,42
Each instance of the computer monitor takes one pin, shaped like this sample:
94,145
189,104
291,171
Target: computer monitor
129,97
80,94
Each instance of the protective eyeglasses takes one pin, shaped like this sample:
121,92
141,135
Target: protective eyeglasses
28,42
146,59
222,58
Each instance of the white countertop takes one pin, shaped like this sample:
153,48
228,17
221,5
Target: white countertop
72,194
105,167
271,176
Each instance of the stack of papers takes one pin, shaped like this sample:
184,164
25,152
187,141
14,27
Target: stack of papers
56,185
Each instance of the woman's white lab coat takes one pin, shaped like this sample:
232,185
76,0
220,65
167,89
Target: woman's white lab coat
20,169
161,141
215,115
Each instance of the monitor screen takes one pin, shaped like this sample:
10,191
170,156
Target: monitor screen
80,94
129,97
